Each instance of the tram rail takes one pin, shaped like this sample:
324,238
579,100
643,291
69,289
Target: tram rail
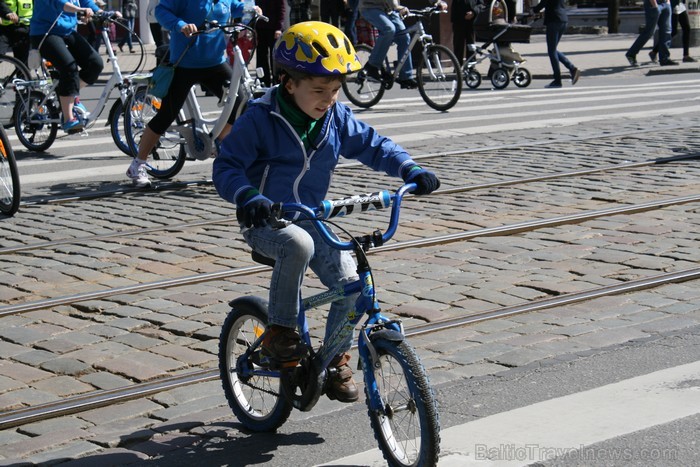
103,398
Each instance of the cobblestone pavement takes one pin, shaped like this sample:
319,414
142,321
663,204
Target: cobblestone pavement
119,340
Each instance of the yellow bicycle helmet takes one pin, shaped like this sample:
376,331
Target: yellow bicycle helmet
316,48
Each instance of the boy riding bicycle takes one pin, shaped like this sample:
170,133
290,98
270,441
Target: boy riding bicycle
284,148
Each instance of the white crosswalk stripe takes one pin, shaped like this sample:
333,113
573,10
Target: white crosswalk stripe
566,425
407,120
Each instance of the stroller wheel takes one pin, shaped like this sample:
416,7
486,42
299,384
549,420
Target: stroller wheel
500,78
472,78
522,78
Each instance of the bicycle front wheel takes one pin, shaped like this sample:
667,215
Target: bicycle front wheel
168,156
256,400
116,127
408,429
10,69
36,121
439,77
9,177
359,89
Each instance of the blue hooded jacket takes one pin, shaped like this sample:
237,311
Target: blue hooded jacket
264,152
46,12
207,50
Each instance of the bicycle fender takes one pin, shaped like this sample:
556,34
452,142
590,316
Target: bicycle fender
111,112
254,302
388,334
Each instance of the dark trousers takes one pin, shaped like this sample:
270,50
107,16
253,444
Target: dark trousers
462,33
15,38
212,78
266,43
73,57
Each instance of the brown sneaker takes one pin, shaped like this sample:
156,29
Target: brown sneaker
283,345
341,386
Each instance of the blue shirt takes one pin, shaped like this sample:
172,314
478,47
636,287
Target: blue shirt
46,12
207,50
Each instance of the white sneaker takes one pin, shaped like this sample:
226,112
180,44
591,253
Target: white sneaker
137,173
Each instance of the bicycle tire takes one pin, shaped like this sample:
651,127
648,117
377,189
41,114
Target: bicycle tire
257,410
9,177
116,127
409,435
360,90
10,69
132,62
36,123
168,156
440,80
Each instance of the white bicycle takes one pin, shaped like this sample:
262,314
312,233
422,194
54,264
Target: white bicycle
37,113
192,134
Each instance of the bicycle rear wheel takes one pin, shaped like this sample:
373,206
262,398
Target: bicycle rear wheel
256,400
10,69
359,89
168,156
439,77
408,430
9,177
36,121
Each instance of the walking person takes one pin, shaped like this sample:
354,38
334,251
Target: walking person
351,14
679,16
462,16
656,12
284,148
555,21
299,10
129,11
331,11
268,32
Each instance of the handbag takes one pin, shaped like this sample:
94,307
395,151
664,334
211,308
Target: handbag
162,76
680,8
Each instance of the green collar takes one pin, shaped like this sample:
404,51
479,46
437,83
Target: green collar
305,127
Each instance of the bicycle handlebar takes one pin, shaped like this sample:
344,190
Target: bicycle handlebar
423,12
211,26
341,207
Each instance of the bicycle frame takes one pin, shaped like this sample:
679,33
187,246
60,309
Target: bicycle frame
417,33
366,303
195,128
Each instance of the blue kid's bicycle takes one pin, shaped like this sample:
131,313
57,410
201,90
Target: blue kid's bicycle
400,401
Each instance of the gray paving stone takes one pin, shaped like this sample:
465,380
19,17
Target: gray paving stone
66,366
127,410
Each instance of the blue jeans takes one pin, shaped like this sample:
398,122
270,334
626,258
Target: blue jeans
554,32
350,29
388,24
127,37
661,16
295,248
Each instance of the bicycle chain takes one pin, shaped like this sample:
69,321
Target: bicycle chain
266,391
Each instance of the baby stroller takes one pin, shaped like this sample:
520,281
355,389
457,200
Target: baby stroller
491,25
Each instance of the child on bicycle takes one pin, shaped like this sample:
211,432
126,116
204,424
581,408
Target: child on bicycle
284,148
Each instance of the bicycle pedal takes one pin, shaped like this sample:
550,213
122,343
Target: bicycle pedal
277,365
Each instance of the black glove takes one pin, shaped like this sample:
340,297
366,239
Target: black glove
426,181
255,211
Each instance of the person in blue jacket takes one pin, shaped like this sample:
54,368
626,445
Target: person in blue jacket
54,27
203,63
284,148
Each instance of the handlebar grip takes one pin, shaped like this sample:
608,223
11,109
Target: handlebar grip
344,206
